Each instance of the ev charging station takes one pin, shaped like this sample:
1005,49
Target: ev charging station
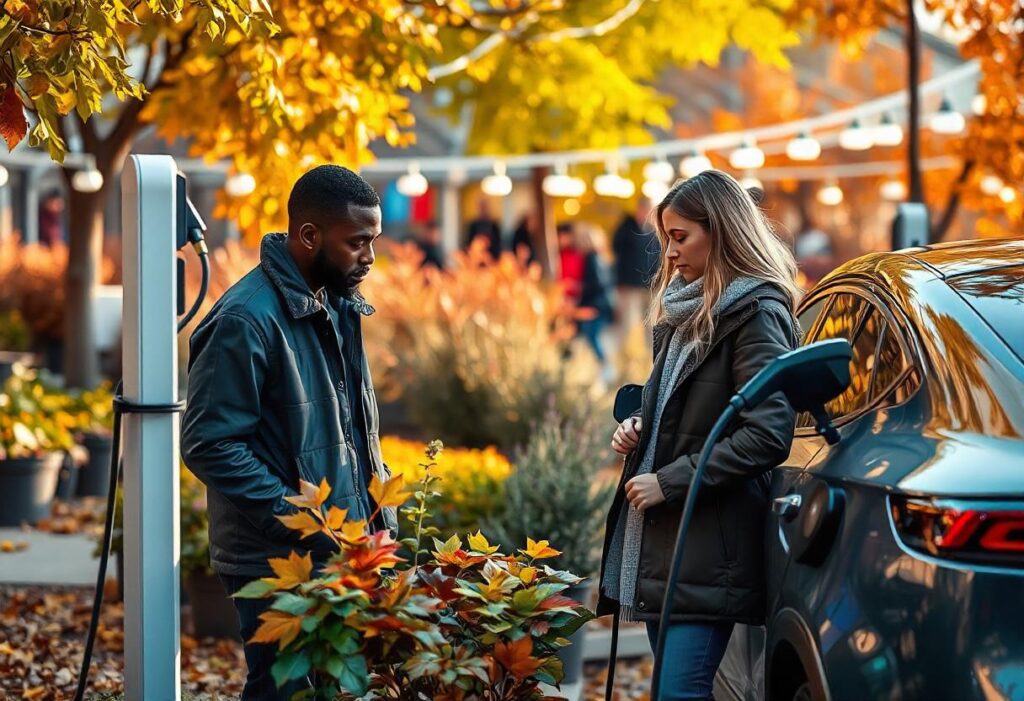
153,191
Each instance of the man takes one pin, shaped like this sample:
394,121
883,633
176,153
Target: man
279,390
637,255
484,225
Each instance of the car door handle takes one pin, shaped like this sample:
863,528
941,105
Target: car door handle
786,507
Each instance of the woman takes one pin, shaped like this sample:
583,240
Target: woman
722,310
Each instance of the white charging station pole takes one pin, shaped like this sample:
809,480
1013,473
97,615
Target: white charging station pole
151,548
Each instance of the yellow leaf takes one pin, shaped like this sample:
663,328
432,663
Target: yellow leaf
303,521
278,627
291,571
310,496
539,549
390,493
527,575
478,543
353,531
336,518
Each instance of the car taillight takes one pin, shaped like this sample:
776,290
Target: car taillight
977,531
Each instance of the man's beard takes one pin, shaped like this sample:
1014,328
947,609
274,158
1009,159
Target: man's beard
335,280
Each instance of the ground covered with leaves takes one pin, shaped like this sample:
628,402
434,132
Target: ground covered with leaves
42,635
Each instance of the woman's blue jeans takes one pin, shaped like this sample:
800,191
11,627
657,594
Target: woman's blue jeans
693,652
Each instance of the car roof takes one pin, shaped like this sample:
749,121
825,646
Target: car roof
969,257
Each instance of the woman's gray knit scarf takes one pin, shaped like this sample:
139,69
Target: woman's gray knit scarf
682,302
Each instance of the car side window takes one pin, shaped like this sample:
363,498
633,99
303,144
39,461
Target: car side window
891,364
809,316
862,366
844,319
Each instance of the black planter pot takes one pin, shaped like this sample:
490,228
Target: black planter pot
27,486
94,477
572,655
67,480
213,613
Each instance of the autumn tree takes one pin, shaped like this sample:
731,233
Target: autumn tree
993,34
316,80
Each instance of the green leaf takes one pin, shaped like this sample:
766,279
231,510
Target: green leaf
352,673
289,666
257,589
293,604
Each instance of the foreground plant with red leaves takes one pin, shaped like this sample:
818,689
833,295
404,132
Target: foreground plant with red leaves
459,621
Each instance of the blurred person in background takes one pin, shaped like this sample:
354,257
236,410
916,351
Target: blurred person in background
428,240
636,262
570,261
596,291
526,233
486,226
51,219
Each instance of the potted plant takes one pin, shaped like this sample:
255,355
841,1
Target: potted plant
453,621
97,437
213,615
553,490
35,431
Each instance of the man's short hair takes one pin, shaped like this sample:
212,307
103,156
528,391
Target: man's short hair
324,194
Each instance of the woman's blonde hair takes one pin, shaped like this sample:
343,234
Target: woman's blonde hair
743,243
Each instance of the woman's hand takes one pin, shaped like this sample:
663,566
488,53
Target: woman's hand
643,491
627,436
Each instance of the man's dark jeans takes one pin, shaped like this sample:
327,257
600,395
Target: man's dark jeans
259,657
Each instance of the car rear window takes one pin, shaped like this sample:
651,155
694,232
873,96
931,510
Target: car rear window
998,296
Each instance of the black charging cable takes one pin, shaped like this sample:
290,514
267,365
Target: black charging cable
123,406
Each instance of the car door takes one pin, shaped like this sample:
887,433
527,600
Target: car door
810,508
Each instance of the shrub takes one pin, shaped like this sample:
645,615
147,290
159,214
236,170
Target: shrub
472,482
553,490
35,416
14,331
469,622
476,353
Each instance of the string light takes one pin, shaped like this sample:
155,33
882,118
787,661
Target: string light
894,190
979,104
498,184
240,185
751,181
747,157
654,190
991,184
560,184
888,132
803,147
659,171
947,120
694,164
830,195
611,184
1007,194
4,176
412,184
855,137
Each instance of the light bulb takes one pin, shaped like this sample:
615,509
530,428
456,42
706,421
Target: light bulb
1007,194
947,120
751,181
694,164
894,190
747,157
803,148
654,190
614,185
562,185
498,184
4,176
90,180
412,184
240,185
991,184
979,104
855,137
830,195
660,170
888,132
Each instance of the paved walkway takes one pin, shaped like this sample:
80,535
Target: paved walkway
50,559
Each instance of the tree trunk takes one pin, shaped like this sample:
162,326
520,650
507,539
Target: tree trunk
548,244
85,255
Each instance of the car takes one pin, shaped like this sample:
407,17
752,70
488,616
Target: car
895,558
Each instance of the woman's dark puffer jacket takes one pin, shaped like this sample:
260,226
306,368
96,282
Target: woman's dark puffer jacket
722,574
